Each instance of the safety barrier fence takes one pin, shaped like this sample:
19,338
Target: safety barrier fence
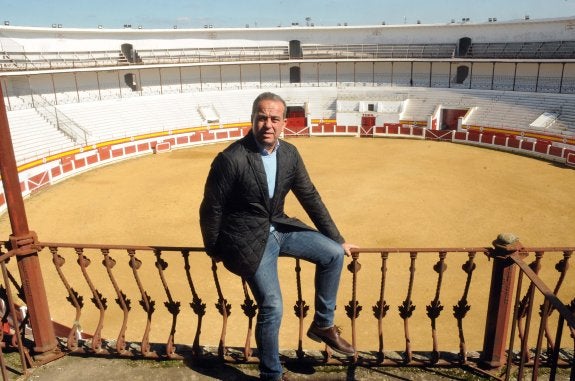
175,303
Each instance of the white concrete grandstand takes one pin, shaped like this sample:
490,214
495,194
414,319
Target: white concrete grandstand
71,94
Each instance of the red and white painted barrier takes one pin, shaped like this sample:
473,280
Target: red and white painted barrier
163,147
48,173
570,158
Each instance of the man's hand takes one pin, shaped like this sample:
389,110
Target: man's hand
347,248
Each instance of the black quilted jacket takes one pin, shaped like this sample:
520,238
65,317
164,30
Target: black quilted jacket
236,212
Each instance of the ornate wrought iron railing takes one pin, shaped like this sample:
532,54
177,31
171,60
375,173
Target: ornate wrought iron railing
180,290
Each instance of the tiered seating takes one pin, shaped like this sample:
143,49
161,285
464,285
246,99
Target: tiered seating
548,49
7,63
190,55
501,109
232,106
519,110
20,60
17,103
113,119
33,137
30,60
127,117
321,102
379,51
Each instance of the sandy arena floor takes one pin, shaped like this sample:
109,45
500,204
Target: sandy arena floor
381,193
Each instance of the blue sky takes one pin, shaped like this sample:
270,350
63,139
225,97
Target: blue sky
163,14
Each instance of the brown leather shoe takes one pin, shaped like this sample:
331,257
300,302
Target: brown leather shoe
331,337
286,377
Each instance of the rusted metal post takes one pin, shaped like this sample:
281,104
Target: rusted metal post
500,300
23,243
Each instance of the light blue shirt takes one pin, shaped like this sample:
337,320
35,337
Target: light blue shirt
270,166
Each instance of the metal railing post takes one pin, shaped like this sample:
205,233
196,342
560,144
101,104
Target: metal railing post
500,301
23,243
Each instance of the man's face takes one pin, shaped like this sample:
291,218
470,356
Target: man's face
268,123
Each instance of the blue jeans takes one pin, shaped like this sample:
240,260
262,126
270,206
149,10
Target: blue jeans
314,247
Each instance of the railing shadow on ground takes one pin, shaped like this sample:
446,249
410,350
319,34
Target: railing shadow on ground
387,275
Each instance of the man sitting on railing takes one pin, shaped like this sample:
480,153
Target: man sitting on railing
244,225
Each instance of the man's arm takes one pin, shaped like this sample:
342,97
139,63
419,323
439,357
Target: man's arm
309,198
216,191
312,203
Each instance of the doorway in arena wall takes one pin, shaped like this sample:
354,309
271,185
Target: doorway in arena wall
450,116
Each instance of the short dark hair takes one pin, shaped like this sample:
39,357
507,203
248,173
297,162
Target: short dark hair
267,96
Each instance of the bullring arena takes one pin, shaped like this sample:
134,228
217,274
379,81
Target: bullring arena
425,151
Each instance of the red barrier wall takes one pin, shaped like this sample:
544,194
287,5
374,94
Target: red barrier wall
67,165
